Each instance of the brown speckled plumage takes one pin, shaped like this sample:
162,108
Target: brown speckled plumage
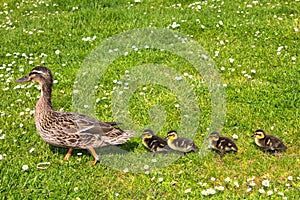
70,130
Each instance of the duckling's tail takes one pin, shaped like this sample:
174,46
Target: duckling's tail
195,148
282,147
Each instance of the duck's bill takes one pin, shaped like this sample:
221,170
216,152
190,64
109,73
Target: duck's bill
24,79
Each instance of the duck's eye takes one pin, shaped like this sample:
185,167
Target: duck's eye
37,72
33,73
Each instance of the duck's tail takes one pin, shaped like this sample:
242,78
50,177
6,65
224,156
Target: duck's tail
114,123
121,138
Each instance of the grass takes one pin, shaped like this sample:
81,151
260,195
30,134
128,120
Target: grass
254,46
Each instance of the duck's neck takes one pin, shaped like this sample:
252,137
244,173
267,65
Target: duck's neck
44,103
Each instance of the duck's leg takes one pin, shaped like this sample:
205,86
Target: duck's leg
67,156
93,152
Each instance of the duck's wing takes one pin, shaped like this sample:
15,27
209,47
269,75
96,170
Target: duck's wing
74,123
88,128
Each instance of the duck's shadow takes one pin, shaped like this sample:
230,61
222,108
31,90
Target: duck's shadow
119,149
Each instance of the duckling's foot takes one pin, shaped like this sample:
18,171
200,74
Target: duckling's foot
276,154
67,156
217,155
222,154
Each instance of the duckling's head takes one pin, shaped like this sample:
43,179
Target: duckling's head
148,133
172,135
39,74
214,136
259,134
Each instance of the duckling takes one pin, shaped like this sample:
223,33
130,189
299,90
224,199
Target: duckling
221,144
154,143
179,143
70,130
268,142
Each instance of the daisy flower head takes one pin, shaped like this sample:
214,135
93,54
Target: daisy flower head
265,183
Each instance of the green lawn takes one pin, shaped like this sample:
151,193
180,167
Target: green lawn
160,83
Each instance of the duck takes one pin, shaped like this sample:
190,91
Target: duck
221,144
268,142
67,129
153,142
181,144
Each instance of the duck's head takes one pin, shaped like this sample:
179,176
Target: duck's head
172,135
259,134
148,133
39,74
214,136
